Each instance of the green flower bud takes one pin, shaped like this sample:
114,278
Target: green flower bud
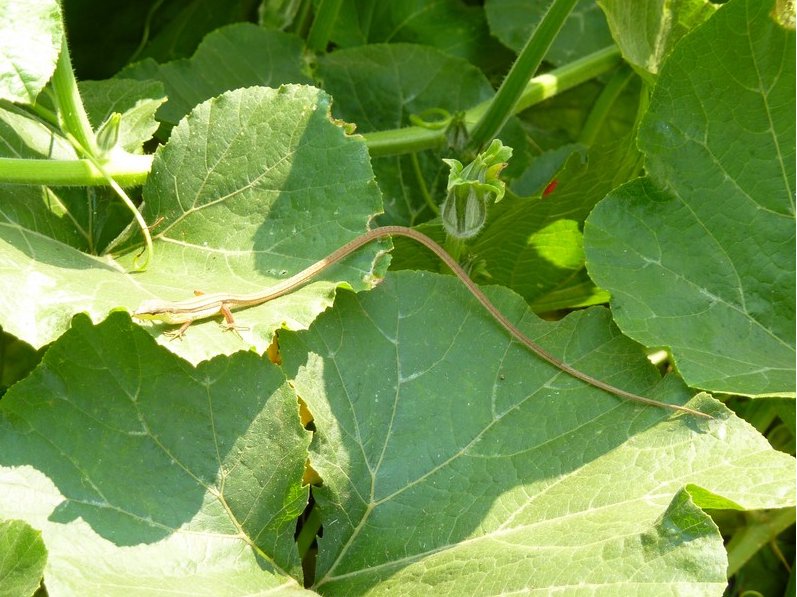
108,133
472,188
464,212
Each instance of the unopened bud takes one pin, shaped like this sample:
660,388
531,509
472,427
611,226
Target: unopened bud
472,188
108,134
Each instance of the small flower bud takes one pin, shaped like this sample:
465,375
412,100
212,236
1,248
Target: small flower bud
464,212
108,133
472,188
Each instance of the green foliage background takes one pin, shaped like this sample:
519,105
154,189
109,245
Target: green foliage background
649,212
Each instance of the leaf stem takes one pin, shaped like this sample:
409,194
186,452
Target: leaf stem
142,224
71,113
416,138
310,528
744,544
422,188
324,20
46,115
409,139
602,106
139,219
75,126
528,61
145,34
302,22
128,170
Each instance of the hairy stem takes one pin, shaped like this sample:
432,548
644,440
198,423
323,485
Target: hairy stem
128,170
416,138
71,112
528,61
324,20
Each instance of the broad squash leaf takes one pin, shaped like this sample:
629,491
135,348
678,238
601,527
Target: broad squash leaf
700,255
239,55
456,462
253,186
146,475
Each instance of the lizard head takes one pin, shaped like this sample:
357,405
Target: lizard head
157,310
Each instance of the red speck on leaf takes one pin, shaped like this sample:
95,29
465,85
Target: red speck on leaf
550,188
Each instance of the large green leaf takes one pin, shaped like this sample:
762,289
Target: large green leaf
231,57
25,25
700,256
146,475
447,452
455,462
22,559
253,186
464,35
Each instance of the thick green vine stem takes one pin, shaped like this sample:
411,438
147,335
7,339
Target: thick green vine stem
76,127
416,138
527,63
127,169
71,113
323,22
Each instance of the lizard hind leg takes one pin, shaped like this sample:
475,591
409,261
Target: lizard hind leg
229,324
